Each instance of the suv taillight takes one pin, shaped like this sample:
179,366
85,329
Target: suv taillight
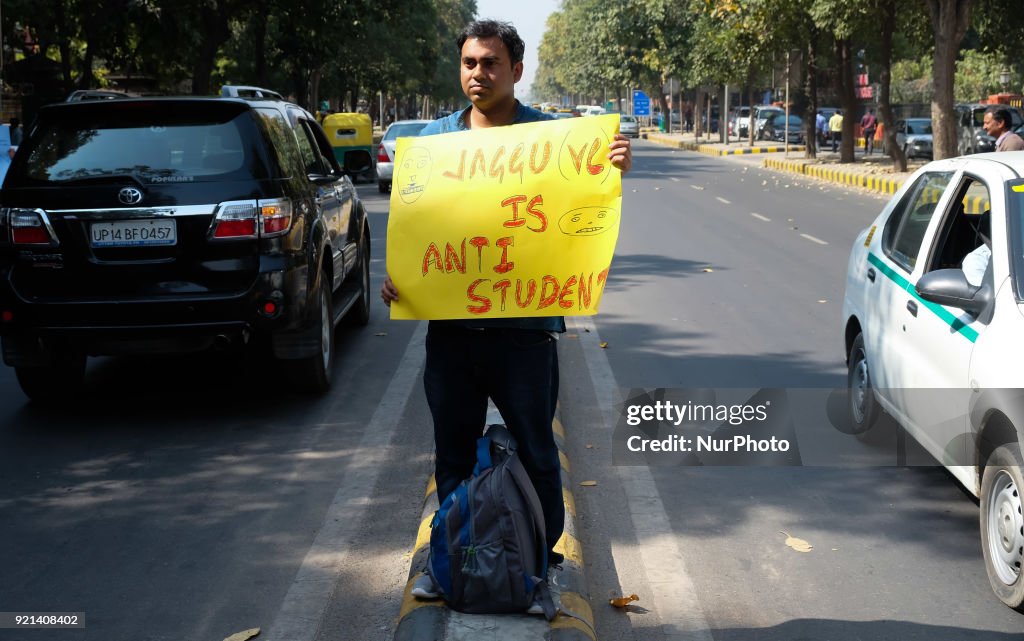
29,227
275,217
382,154
252,219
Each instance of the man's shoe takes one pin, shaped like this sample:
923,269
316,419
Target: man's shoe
425,588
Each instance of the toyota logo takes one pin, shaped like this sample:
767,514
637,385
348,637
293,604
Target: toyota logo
130,196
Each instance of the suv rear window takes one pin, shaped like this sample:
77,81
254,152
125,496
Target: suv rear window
404,130
154,145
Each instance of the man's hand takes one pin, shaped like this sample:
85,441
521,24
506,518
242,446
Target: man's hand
388,292
621,153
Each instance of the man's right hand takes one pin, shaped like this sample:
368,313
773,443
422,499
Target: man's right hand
388,292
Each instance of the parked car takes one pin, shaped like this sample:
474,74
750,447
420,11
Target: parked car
628,126
386,149
739,123
935,335
775,128
761,114
176,225
971,136
914,137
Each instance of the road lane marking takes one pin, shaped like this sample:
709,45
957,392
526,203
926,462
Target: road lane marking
760,217
813,239
722,200
673,593
306,602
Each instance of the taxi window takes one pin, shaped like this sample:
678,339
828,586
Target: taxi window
965,227
907,224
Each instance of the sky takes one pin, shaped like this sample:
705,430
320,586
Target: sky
529,18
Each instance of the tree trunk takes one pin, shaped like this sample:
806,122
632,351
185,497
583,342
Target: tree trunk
811,86
950,19
848,98
64,44
888,24
216,32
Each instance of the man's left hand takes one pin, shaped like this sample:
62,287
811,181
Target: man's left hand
621,153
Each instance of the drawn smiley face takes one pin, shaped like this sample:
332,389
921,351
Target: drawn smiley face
413,174
588,221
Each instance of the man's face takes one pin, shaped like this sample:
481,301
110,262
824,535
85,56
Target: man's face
488,75
992,126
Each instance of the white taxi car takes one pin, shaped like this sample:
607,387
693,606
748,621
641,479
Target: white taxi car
934,332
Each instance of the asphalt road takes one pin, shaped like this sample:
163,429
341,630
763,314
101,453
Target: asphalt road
188,498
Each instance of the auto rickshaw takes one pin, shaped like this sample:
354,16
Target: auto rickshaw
351,136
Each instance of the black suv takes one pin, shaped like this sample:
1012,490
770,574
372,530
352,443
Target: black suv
174,225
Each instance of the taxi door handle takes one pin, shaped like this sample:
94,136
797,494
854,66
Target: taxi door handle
912,308
871,274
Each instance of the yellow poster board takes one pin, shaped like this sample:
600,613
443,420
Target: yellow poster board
505,221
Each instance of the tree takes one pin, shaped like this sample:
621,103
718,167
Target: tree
950,19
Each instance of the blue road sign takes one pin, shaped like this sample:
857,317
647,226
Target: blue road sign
641,103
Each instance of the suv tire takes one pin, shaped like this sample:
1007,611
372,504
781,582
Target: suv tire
1002,525
359,315
312,374
53,383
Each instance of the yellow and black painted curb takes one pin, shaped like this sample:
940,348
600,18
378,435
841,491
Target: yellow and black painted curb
420,620
837,175
712,150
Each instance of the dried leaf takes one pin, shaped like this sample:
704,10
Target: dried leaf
590,446
603,344
707,270
622,602
822,300
799,545
589,483
243,636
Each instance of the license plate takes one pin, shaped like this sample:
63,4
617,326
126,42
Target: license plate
133,233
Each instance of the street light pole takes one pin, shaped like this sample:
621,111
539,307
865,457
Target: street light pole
785,135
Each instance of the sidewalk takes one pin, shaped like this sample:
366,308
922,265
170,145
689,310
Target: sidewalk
421,620
872,173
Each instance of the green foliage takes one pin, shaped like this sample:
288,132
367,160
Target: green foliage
977,76
912,81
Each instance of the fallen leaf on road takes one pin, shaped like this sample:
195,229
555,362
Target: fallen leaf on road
381,334
697,187
589,483
822,301
707,270
603,344
764,182
657,189
590,446
622,602
243,636
797,544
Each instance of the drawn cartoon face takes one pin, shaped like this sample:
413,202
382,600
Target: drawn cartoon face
413,174
588,221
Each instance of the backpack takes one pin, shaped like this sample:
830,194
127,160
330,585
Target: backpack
488,553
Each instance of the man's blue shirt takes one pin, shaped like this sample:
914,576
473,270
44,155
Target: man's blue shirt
457,122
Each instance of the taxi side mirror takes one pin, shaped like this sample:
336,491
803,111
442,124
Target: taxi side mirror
950,287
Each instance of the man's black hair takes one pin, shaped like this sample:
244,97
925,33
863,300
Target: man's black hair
490,29
1001,113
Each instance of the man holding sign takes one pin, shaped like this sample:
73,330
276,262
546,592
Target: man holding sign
493,321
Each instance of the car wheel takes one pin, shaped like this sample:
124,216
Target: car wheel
1002,524
359,315
313,373
53,383
862,404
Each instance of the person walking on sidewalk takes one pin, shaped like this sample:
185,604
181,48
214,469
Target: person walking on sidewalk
513,361
821,127
835,128
868,125
997,124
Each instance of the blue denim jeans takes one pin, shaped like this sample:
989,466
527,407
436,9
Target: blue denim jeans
518,370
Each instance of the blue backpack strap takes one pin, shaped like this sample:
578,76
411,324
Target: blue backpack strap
483,455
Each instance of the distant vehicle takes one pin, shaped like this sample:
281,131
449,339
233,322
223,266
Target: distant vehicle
761,114
628,126
386,149
558,115
971,136
914,137
739,123
82,95
590,110
775,128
